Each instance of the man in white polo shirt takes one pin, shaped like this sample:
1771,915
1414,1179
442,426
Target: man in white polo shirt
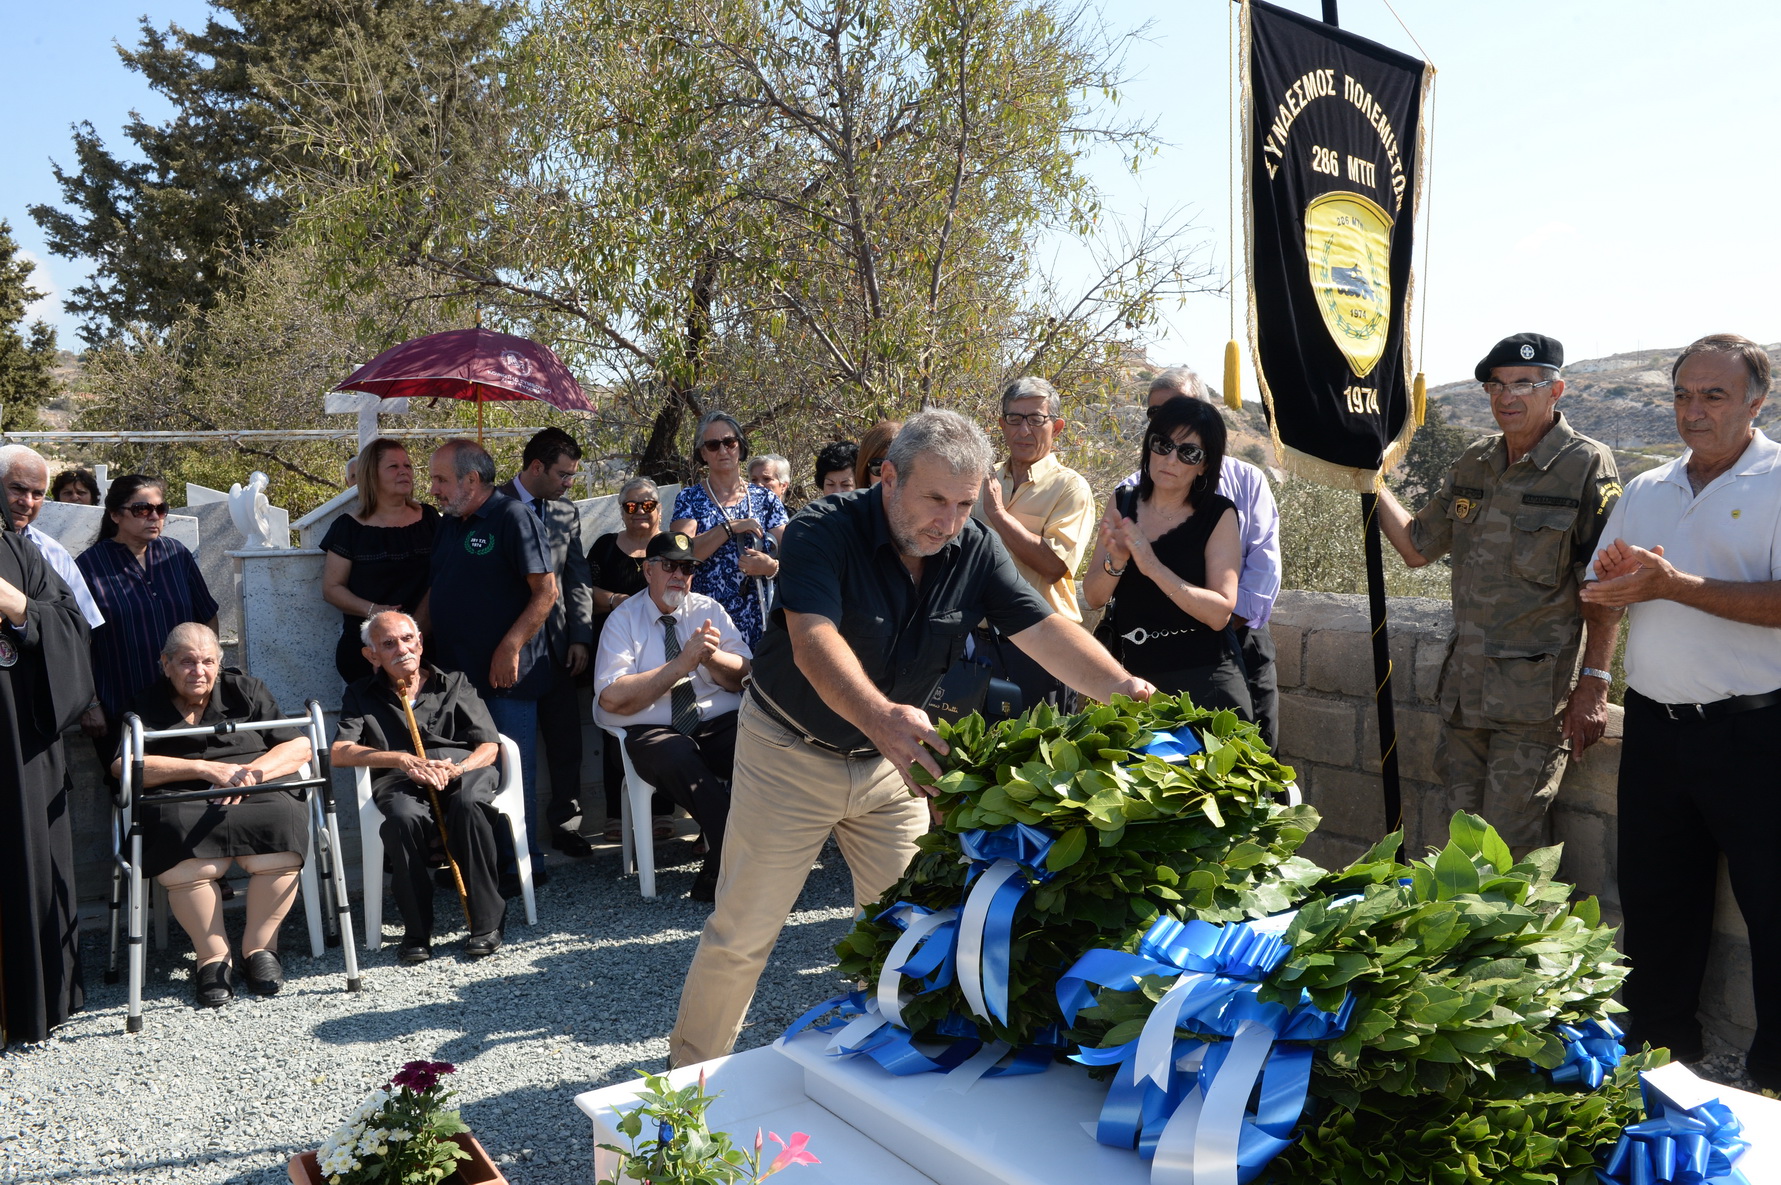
669,673
1695,559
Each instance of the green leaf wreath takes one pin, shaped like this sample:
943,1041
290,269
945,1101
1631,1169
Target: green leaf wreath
1137,837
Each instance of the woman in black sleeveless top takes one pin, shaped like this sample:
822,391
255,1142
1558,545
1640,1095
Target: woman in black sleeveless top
1170,548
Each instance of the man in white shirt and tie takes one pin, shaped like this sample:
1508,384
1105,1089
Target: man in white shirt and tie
669,674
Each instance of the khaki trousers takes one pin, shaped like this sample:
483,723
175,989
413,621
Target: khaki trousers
786,798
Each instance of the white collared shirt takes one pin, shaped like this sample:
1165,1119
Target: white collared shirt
60,559
1729,531
632,641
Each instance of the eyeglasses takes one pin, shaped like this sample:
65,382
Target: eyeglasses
684,567
641,507
1189,454
722,443
1035,421
875,468
1520,390
145,509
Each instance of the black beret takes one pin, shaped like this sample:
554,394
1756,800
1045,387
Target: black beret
1524,349
669,545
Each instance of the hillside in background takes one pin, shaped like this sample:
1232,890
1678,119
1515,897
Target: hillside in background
1622,400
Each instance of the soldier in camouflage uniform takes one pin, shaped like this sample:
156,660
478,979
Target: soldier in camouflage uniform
1521,511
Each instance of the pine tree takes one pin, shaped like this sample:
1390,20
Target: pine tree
27,356
169,225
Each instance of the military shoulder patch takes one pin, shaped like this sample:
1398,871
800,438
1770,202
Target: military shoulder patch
1611,492
1549,500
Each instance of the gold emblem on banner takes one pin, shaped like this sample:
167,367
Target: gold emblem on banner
1348,250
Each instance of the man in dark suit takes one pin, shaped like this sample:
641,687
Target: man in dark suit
548,466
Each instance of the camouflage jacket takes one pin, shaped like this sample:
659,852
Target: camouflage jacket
1522,536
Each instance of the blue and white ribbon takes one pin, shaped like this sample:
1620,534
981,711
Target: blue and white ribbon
1183,1103
1697,1146
1172,746
1592,1051
860,1029
1004,864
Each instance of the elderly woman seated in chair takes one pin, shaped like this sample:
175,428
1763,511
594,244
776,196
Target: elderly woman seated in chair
187,846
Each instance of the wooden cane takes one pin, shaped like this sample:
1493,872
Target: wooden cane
420,751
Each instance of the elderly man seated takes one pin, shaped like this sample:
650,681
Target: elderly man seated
187,846
407,704
669,673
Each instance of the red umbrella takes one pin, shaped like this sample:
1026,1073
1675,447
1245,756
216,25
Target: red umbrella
476,364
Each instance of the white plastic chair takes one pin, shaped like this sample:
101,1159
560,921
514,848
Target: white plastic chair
510,803
324,900
636,826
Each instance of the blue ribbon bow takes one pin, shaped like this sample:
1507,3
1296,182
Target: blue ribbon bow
1674,1146
1173,746
1159,1111
1592,1051
1002,861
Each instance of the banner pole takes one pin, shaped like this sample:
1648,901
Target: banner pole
1382,702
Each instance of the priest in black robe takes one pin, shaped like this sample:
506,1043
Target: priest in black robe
45,682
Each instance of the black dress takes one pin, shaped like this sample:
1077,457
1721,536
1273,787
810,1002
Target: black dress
260,825
390,566
45,683
1166,645
610,568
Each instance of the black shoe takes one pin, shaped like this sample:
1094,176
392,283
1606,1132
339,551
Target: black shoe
215,983
704,885
540,874
442,880
571,844
414,950
481,946
263,973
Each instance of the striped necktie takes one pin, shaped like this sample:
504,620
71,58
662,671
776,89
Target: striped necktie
683,704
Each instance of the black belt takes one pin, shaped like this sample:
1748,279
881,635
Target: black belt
1730,706
766,705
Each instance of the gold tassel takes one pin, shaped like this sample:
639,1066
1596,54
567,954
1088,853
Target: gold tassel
1233,377
1419,398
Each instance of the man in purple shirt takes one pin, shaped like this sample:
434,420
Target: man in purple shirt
1258,582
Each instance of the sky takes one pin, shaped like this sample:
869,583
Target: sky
1601,171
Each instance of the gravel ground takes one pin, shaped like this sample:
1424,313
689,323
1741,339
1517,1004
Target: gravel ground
583,999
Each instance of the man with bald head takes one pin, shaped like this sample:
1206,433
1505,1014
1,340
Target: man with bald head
25,475
460,744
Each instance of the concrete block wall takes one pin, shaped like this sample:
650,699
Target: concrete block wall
1329,735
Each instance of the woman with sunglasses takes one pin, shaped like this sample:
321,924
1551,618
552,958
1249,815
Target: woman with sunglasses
868,465
145,585
615,568
1171,550
733,526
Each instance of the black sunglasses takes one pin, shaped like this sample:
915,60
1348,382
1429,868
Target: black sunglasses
721,443
684,567
875,468
641,507
1190,454
144,509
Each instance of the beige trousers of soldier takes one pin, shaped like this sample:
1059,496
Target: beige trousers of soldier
786,798
1508,775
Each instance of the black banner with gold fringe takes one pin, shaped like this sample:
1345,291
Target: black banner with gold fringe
1333,165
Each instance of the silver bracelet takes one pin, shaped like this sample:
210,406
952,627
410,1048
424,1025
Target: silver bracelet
1107,567
1604,676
